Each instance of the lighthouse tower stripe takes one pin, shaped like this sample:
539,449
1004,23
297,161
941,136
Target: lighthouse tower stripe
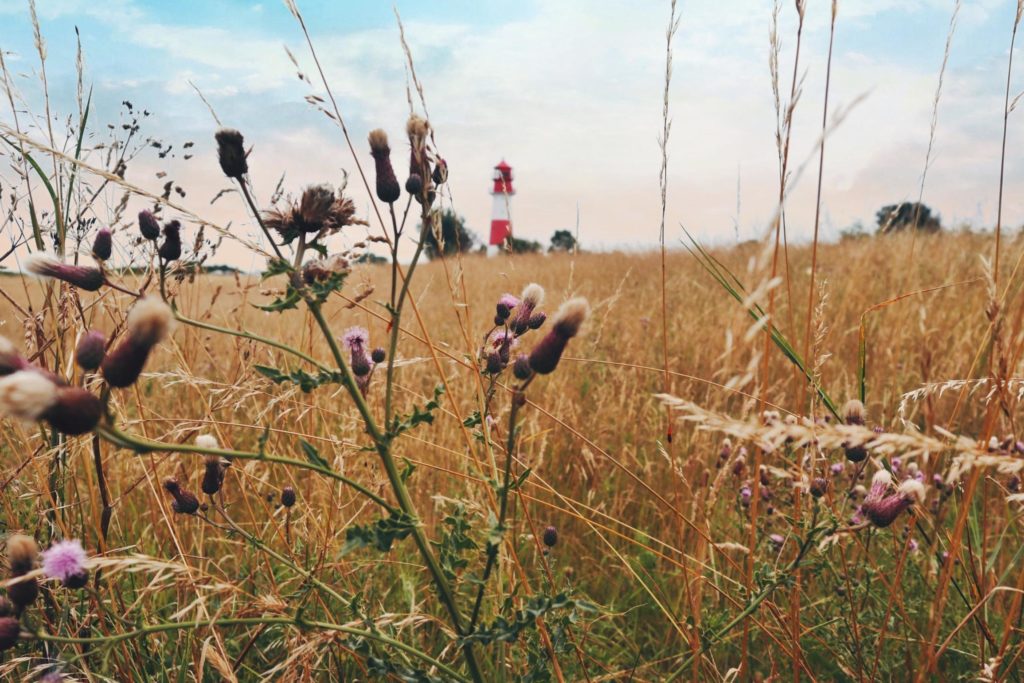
501,225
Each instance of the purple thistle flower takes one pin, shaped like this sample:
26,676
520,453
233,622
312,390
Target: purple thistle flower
776,540
745,495
65,560
355,338
509,300
837,468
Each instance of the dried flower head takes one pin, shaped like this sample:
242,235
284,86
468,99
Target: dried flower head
90,350
388,189
149,323
170,249
148,225
83,277
321,269
102,245
65,561
185,503
819,487
213,473
318,210
26,395
231,153
440,173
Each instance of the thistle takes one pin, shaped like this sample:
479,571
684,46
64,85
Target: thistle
65,561
318,211
90,350
440,172
883,510
82,277
148,225
102,245
355,340
231,153
533,296
26,395
149,322
550,536
10,631
185,503
170,250
75,411
567,322
388,189
213,474
288,496
22,552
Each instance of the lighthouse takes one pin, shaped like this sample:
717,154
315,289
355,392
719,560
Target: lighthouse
501,224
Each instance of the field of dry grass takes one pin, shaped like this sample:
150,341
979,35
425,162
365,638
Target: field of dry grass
652,533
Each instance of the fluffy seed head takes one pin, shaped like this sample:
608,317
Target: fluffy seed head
22,552
207,441
854,413
150,321
26,395
913,490
533,295
231,152
378,142
570,317
89,279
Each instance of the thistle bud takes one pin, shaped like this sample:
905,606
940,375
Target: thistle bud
148,225
568,320
288,496
440,173
213,474
75,411
231,153
414,184
494,364
360,364
10,631
550,536
387,184
22,552
102,245
83,277
537,320
170,250
184,502
149,322
91,349
378,355
819,487
521,368
502,312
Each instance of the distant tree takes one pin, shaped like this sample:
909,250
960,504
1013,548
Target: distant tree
899,217
853,232
562,240
455,237
367,257
518,246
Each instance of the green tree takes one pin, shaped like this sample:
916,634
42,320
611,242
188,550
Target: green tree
520,246
455,237
562,240
899,217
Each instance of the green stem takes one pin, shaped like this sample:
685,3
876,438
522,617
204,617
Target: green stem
298,622
259,218
142,445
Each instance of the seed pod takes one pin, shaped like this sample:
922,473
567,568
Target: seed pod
102,245
76,411
231,153
148,225
91,349
288,496
378,355
550,536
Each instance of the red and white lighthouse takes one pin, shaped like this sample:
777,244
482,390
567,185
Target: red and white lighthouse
501,224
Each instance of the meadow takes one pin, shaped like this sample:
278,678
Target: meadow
757,461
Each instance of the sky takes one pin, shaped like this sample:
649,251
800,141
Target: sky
569,92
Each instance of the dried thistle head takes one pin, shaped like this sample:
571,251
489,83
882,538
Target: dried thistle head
75,411
149,226
170,249
231,153
317,211
567,322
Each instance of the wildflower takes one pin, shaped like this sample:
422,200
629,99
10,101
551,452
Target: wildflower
149,322
90,350
207,441
288,496
65,560
26,395
10,359
509,301
776,540
537,320
231,153
213,476
819,487
550,536
883,510
148,225
388,189
533,296
75,411
102,245
319,210
170,250
417,129
355,340
568,320
10,631
83,277
22,552
521,368
185,503
378,355
414,184
493,364
739,465
745,495
837,468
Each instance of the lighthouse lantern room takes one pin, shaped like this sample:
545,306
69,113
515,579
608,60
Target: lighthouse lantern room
501,225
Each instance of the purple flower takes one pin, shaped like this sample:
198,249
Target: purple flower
509,300
355,338
837,468
65,560
776,540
